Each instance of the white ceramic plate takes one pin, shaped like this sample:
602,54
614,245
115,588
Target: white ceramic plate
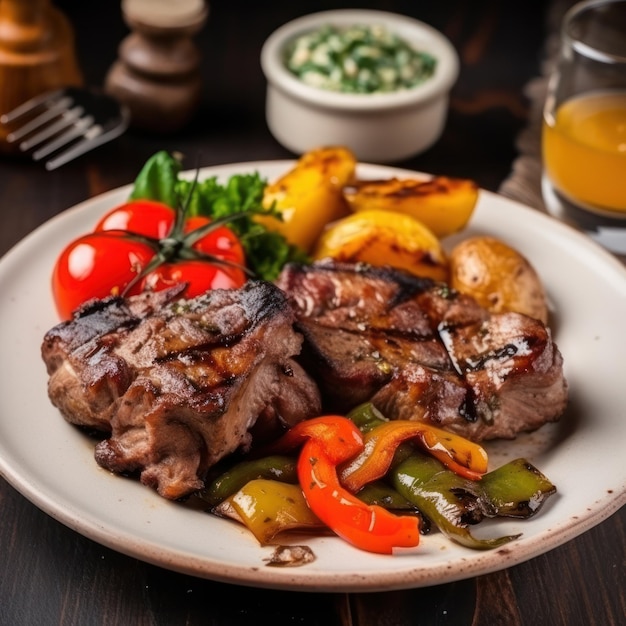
51,463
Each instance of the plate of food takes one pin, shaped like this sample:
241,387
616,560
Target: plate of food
102,474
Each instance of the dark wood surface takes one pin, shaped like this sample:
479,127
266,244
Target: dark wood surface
51,575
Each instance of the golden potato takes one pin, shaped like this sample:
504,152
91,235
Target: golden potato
443,204
498,277
310,194
383,238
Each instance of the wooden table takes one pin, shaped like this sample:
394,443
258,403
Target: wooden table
52,575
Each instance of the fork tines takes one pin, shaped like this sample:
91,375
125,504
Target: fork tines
76,118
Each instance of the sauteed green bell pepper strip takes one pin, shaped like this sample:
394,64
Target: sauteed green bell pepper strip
379,492
453,503
366,416
449,501
274,467
447,498
517,489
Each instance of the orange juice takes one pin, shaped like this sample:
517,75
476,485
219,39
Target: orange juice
584,150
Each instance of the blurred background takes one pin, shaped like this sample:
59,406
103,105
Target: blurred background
499,43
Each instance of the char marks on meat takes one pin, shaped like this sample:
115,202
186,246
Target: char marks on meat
176,385
419,350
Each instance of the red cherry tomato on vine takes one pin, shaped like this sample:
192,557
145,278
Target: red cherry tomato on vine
102,263
144,217
201,277
95,266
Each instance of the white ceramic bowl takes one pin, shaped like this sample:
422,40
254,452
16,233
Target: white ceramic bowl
382,127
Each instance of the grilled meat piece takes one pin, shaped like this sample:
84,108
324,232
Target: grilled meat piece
179,384
419,350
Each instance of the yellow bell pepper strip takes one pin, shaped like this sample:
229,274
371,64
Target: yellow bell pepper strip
366,416
329,441
383,438
268,507
381,443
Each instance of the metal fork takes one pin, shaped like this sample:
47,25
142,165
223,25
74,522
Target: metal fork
72,118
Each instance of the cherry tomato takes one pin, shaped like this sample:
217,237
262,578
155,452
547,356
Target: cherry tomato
221,242
102,263
200,275
95,266
144,217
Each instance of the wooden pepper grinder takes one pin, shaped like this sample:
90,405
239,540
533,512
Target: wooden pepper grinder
37,54
157,74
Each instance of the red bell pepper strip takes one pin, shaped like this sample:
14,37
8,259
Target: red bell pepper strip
328,441
463,457
341,437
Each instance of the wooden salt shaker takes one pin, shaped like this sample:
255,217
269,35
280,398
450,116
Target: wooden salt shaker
157,74
37,54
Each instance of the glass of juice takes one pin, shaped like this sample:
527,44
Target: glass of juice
584,123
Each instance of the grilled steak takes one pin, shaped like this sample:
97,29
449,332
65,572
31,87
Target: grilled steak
176,385
420,351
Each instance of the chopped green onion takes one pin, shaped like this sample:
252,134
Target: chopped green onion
358,59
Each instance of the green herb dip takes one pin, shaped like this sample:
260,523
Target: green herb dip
358,59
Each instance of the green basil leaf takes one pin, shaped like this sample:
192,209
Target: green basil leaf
158,180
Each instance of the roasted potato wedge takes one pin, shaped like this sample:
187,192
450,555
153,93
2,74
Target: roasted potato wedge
443,204
383,238
310,194
499,277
